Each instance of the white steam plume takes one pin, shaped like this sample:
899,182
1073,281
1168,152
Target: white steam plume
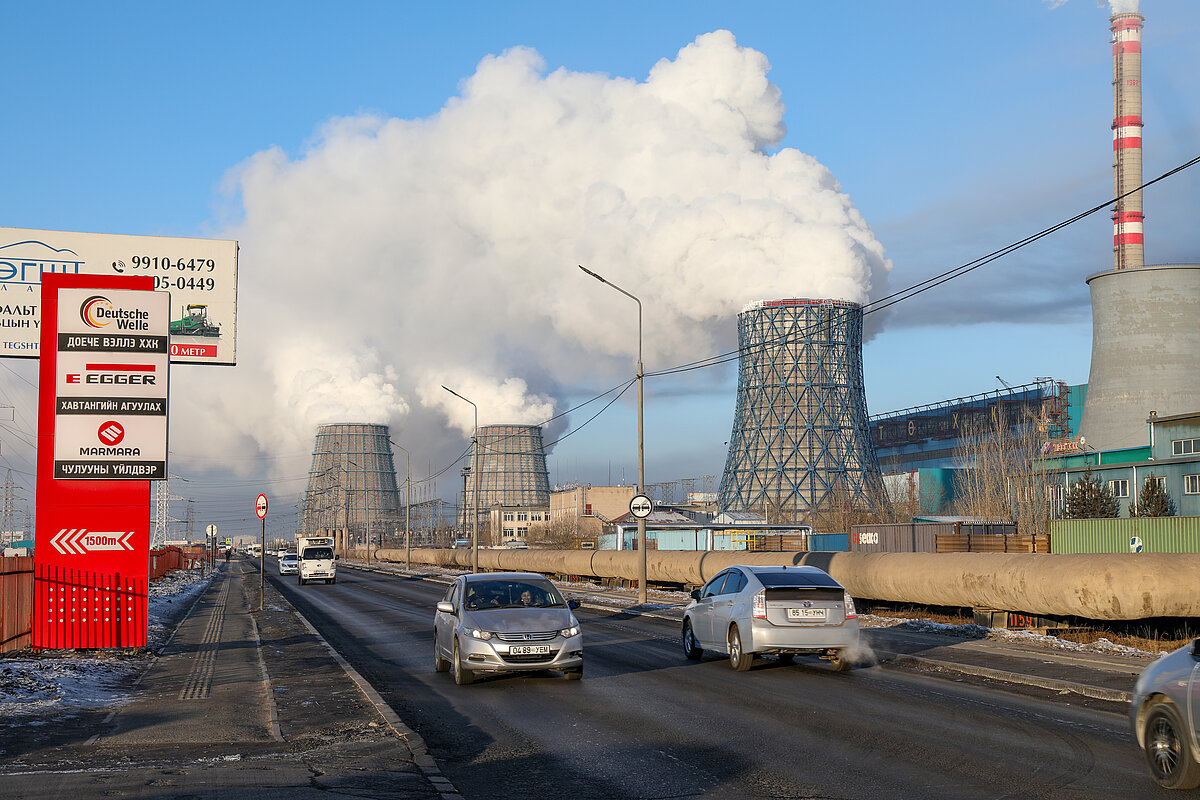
398,255
1123,6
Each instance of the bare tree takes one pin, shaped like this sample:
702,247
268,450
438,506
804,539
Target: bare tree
1000,478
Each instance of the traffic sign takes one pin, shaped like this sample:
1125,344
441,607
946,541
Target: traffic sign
260,506
211,530
640,506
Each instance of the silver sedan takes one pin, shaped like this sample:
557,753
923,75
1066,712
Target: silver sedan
784,611
505,622
1164,713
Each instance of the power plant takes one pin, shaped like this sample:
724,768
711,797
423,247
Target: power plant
352,483
510,463
800,442
1145,336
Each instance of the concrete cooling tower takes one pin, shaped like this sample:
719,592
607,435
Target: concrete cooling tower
511,464
1145,352
800,440
352,483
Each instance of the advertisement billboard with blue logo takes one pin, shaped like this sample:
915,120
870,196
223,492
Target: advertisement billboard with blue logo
199,274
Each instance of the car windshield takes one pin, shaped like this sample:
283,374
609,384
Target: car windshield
290,557
318,552
484,595
795,578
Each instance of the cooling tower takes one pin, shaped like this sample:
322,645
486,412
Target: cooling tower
1128,250
511,463
352,483
800,438
1145,352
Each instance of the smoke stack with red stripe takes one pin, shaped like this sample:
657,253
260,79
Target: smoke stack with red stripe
1128,251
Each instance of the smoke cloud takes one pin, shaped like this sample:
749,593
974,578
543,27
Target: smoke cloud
395,256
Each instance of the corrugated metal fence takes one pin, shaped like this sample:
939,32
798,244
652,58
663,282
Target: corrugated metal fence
16,603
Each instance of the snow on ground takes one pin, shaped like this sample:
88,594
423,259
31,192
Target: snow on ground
68,682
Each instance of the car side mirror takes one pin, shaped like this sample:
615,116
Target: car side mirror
445,608
572,604
695,594
1196,649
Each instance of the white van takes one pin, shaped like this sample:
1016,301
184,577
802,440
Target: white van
316,559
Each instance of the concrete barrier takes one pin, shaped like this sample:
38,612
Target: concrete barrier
1118,586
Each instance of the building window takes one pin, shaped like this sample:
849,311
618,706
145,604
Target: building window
1191,484
535,517
522,516
1185,447
508,532
1119,488
522,532
508,516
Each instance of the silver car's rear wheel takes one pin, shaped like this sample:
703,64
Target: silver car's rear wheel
439,664
738,659
692,650
841,662
1168,752
462,675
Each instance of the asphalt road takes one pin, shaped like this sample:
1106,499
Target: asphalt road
646,723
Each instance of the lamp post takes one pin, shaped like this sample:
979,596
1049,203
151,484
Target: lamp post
641,440
475,469
407,509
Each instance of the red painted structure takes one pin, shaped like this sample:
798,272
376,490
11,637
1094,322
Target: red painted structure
84,597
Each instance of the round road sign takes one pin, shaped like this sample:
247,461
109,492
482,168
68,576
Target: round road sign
260,506
211,530
640,506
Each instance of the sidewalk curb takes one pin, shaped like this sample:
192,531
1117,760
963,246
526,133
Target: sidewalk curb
1094,692
416,744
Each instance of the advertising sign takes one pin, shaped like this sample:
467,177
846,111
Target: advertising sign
91,565
200,274
110,403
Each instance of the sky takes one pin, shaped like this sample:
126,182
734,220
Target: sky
412,187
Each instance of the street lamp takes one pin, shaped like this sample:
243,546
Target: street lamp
407,510
475,499
641,440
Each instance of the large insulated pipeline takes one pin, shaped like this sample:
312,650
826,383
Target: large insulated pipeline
1100,587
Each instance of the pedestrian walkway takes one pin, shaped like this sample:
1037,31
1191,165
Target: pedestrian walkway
241,703
208,685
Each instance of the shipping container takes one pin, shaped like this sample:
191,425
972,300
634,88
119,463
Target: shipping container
1126,535
829,542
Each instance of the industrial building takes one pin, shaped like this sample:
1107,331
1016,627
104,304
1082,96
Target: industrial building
800,443
352,483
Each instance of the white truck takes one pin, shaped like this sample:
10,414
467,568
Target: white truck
316,560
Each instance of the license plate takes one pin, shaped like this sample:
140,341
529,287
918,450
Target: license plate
807,614
529,650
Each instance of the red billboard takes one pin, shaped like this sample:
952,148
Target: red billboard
91,562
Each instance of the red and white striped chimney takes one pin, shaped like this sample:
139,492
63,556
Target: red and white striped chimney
1128,252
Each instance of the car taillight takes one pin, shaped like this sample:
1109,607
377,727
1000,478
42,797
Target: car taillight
760,605
850,612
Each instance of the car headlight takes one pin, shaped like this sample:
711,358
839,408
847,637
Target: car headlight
567,633
475,633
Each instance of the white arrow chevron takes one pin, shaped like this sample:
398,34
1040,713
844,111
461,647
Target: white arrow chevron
78,541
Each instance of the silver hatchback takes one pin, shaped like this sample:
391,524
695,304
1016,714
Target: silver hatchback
505,622
1164,716
784,611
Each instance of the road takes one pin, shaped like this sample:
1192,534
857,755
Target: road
646,723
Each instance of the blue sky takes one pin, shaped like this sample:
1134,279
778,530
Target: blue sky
954,128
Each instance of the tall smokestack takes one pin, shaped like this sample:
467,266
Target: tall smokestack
1128,251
